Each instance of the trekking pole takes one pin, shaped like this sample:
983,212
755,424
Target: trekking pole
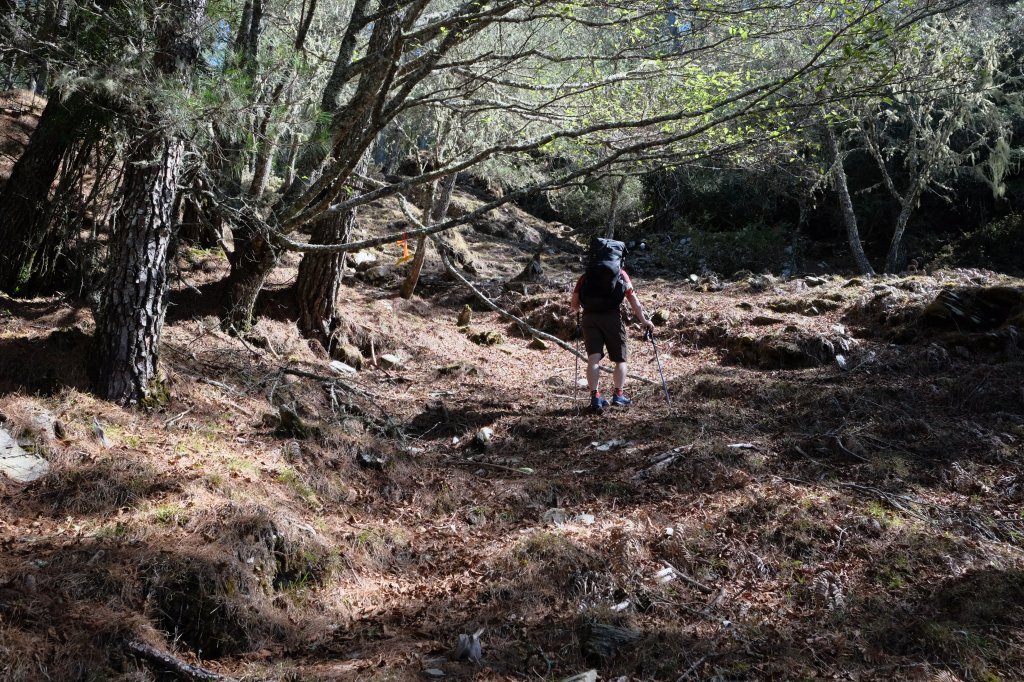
576,382
664,386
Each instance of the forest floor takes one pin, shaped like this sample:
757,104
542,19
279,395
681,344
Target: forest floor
791,515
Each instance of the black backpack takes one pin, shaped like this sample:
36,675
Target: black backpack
603,286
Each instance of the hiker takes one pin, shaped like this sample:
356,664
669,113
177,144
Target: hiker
600,291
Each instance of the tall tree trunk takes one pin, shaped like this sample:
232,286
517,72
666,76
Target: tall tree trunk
131,321
893,258
846,204
613,209
128,331
24,203
351,129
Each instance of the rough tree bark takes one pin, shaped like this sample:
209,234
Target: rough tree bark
129,327
319,280
128,331
846,204
320,277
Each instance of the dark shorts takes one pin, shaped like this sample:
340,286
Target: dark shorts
602,330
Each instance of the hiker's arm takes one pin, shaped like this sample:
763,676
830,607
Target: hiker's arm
638,310
574,302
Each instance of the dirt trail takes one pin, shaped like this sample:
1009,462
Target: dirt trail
790,516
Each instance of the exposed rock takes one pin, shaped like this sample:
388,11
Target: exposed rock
538,344
484,438
342,368
555,517
465,316
380,274
660,317
813,281
43,426
391,361
759,283
349,355
765,321
708,283
469,647
361,260
19,464
589,676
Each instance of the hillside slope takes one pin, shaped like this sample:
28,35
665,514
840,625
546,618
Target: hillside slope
791,515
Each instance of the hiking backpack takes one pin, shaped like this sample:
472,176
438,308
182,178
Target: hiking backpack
603,286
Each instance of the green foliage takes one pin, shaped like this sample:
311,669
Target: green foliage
588,204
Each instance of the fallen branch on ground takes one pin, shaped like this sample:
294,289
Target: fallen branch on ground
687,579
169,664
501,467
365,395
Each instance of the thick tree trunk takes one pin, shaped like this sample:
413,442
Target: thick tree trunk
128,331
251,263
846,204
319,280
25,202
131,321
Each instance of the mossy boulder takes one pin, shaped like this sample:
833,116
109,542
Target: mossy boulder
485,337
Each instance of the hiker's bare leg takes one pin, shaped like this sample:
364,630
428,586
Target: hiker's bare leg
593,370
619,375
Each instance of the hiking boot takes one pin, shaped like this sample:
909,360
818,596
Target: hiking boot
621,400
597,403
